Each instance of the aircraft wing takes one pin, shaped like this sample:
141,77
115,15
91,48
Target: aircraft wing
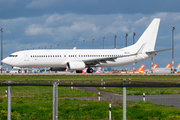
156,51
112,59
103,60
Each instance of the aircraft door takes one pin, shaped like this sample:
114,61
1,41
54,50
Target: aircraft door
26,56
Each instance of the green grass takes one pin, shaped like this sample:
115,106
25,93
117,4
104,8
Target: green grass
88,77
41,109
44,92
35,102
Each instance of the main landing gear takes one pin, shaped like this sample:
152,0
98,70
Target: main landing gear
89,70
19,71
78,71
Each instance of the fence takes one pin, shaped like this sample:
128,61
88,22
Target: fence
48,101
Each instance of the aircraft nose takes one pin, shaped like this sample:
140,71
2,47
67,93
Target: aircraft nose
5,61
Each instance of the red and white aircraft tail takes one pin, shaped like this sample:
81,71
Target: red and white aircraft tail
99,70
84,71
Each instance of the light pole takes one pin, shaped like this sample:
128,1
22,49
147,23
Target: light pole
74,43
50,46
133,43
172,70
1,49
57,45
83,43
126,46
92,43
66,44
115,41
126,39
103,41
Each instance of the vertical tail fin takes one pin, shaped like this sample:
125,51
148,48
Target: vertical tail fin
99,70
155,66
148,38
168,66
141,68
178,66
84,71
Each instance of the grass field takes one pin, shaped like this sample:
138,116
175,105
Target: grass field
96,79
35,102
41,109
89,77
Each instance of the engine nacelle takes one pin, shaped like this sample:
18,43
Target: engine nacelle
57,69
75,65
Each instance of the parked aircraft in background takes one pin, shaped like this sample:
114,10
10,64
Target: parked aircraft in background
98,70
78,59
113,71
178,66
155,66
84,71
168,66
167,70
140,70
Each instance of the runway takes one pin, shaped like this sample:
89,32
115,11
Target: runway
167,100
89,74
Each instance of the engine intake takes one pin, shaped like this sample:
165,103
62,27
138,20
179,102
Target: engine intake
75,65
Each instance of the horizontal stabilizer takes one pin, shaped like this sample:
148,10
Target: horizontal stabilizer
156,51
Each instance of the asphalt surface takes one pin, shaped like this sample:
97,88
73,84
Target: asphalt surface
167,100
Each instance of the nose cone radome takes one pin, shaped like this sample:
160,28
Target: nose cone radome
5,61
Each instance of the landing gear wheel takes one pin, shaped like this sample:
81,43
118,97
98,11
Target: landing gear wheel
78,71
19,71
89,70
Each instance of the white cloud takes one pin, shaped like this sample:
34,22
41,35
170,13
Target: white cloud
35,29
141,21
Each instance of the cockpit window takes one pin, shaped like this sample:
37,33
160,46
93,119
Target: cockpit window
13,55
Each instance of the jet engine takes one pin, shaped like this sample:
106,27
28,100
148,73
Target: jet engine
76,65
57,69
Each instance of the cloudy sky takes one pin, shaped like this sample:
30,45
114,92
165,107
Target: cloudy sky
29,24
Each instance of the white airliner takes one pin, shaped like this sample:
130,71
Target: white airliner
78,59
